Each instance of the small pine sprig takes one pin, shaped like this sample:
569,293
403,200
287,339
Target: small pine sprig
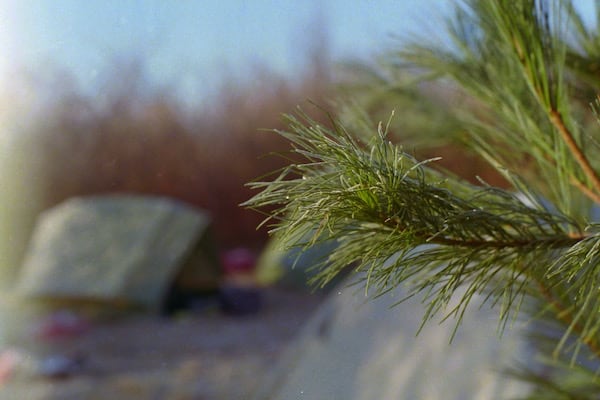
380,204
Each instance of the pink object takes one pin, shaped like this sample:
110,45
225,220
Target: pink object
8,363
239,260
62,324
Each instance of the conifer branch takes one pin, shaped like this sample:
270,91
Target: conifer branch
376,201
549,242
403,223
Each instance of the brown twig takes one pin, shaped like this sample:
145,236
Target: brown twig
595,197
588,170
551,242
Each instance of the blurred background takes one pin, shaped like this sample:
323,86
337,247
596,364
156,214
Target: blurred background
172,100
168,98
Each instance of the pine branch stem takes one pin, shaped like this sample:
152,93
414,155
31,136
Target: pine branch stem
551,242
595,197
558,122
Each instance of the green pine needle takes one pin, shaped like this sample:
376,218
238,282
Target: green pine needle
380,204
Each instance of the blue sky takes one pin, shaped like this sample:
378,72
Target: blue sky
198,42
198,39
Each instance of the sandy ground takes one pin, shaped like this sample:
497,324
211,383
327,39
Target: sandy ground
203,355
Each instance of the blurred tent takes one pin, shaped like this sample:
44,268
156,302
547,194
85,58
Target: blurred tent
119,250
356,348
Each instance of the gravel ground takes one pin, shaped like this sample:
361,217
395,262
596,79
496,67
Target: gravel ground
205,355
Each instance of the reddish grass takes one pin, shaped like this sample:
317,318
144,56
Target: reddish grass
131,140
127,141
